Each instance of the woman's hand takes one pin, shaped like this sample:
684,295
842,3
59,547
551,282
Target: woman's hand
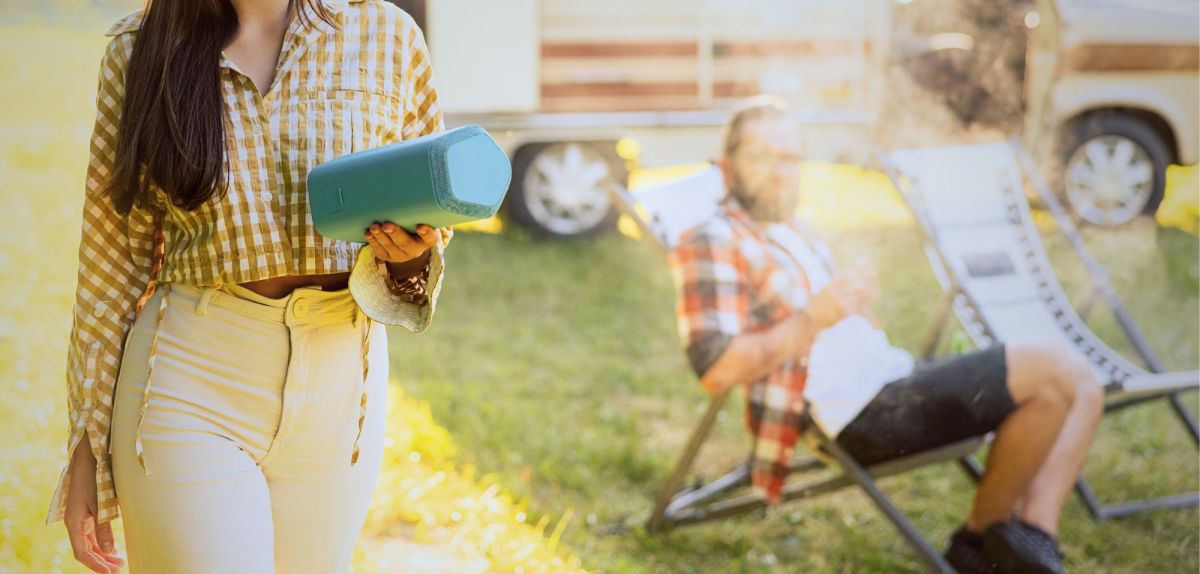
392,244
93,545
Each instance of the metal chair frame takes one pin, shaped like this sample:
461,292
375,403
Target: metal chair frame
1128,384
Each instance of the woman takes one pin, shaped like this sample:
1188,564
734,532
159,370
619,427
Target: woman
222,353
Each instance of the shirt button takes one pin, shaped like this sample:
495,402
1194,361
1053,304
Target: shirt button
257,129
98,312
266,196
301,307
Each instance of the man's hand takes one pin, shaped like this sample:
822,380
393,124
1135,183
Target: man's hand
865,280
392,244
851,292
93,545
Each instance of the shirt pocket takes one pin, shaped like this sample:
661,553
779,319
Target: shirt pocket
335,123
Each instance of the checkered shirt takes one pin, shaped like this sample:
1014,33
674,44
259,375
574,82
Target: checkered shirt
735,275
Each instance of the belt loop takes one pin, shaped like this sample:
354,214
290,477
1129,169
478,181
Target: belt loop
202,305
145,404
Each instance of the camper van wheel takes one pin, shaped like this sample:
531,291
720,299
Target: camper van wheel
1115,169
563,189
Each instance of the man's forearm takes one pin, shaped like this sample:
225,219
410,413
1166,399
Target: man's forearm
751,356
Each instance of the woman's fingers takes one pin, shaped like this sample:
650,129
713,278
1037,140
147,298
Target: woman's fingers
84,546
380,252
108,545
93,562
385,243
428,236
113,562
392,243
101,546
405,242
91,537
104,535
109,563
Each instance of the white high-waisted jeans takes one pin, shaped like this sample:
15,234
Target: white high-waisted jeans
248,431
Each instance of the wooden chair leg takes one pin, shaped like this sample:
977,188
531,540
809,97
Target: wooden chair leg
658,515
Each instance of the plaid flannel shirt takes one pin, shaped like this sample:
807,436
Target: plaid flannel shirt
364,82
735,275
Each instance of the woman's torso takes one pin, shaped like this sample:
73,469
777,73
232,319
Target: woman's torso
256,52
331,93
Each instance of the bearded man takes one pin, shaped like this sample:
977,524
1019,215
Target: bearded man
763,306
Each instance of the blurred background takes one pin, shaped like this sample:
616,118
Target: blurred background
574,397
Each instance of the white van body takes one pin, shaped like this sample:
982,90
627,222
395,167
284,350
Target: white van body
1113,95
560,83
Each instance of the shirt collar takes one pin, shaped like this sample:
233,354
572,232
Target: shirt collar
300,33
742,219
336,6
736,212
133,21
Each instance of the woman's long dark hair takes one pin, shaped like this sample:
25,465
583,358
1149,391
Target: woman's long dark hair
172,131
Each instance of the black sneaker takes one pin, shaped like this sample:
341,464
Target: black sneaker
1016,546
965,552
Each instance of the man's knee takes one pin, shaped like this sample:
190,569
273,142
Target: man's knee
1075,381
1060,373
1089,394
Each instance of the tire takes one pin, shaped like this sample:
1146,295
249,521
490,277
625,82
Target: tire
1115,168
561,189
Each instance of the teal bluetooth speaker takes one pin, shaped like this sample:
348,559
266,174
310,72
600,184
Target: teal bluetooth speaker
440,179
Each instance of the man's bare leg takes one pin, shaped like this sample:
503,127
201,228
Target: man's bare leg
1040,382
1044,499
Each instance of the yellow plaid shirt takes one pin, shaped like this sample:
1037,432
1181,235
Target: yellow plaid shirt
337,90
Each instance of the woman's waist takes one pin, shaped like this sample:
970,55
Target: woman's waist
304,305
282,286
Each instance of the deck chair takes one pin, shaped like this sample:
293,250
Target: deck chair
662,214
988,257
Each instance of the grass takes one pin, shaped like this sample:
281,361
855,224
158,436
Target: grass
550,394
567,381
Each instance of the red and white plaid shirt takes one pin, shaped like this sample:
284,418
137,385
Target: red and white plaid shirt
736,275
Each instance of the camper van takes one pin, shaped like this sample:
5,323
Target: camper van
1113,98
578,91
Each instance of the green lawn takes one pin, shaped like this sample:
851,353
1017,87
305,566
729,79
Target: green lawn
557,366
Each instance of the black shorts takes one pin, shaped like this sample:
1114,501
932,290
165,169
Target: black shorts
944,401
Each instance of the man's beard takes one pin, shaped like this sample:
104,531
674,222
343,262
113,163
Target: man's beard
763,207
